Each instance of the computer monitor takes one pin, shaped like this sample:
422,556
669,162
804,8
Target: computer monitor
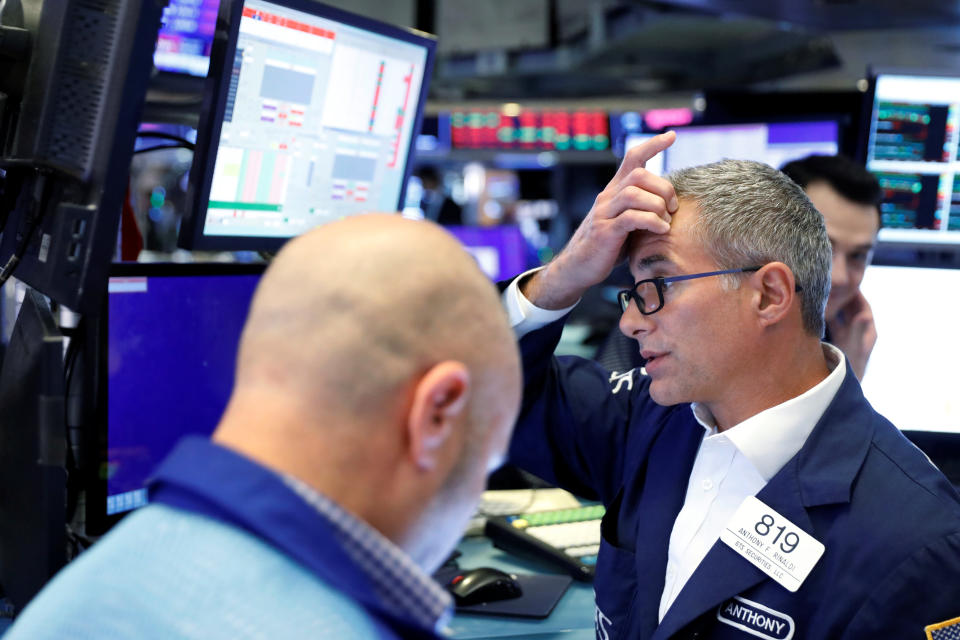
186,35
33,450
501,251
774,143
311,117
625,125
911,376
912,147
169,351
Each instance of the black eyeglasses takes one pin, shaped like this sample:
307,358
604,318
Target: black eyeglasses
648,294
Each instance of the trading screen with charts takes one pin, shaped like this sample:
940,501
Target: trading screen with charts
913,149
317,124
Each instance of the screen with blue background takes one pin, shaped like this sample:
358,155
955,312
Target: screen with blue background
171,349
501,252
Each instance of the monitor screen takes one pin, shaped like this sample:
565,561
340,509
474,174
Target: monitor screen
312,118
626,124
434,136
171,341
912,147
774,143
501,252
911,376
186,34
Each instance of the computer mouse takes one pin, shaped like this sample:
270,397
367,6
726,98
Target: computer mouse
483,584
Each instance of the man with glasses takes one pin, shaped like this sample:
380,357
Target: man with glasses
750,490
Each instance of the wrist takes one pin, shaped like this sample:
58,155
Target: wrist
548,290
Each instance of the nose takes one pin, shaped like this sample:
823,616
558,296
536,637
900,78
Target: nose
634,324
839,275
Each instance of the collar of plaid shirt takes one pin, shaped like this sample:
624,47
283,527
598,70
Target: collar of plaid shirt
401,584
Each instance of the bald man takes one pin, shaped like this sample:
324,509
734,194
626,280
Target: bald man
377,384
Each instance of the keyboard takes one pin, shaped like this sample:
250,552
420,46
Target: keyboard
567,538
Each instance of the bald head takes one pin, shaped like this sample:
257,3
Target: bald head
351,312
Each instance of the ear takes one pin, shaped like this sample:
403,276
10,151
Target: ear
776,291
439,400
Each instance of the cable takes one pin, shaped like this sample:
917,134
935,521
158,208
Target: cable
74,349
164,146
160,135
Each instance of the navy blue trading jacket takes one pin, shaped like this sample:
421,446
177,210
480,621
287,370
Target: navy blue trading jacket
890,521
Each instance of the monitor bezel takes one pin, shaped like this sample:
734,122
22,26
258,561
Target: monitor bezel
98,521
224,47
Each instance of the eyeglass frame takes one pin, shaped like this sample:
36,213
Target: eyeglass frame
624,296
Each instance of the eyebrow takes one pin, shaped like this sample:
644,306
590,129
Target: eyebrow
647,263
866,246
863,247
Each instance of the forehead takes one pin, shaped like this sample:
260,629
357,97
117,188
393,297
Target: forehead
846,221
678,249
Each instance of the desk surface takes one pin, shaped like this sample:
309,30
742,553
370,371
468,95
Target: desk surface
571,619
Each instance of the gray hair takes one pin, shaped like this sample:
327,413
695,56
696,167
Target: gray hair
752,214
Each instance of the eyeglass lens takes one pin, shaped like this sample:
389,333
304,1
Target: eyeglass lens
647,297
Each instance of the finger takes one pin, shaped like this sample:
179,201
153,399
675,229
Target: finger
638,155
863,318
632,220
632,197
651,182
857,304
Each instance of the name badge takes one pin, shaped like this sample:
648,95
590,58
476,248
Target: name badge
773,544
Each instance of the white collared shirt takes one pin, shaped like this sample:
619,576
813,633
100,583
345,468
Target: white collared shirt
729,466
736,464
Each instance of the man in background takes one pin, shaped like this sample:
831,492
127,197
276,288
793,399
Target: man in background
377,382
848,196
436,204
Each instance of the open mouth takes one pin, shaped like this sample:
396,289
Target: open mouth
653,360
650,356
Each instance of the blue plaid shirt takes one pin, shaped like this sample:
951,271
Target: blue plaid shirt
400,584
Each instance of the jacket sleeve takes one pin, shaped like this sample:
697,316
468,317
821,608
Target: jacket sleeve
923,591
573,428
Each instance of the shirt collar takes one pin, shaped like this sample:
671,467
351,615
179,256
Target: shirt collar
402,585
770,438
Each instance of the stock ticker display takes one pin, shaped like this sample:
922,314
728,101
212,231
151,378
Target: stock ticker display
527,129
914,150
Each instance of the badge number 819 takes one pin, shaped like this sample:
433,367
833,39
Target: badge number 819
766,525
772,543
